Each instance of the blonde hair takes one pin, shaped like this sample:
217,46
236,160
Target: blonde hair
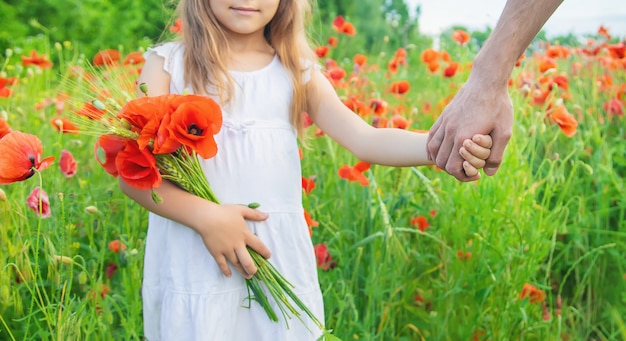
206,45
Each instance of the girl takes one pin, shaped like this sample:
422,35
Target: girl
252,57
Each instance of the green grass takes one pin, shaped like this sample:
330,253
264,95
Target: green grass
554,216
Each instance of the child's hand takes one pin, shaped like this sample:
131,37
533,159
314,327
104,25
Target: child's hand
475,152
227,235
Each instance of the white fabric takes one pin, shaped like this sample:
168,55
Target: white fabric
185,296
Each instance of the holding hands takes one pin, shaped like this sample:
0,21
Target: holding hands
474,109
475,152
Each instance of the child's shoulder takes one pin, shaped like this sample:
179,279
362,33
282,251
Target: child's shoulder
166,50
173,56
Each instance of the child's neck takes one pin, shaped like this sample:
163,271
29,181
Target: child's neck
249,56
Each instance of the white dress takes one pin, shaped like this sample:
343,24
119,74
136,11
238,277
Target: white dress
185,295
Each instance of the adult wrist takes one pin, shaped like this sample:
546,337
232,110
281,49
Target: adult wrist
491,70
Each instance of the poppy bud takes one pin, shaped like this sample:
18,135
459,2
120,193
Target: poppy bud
254,205
97,104
4,115
82,278
5,295
3,196
156,198
8,53
91,209
58,46
143,87
63,259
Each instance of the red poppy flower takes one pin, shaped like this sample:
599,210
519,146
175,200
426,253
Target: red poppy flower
324,260
565,120
561,82
38,202
612,107
360,59
309,221
421,222
463,256
134,58
338,22
333,41
336,73
450,71
106,57
557,51
37,60
433,66
64,125
116,246
107,147
348,29
535,294
617,51
355,173
400,122
4,91
90,111
321,51
194,122
137,167
308,184
400,87
177,27
5,128
429,55
110,270
145,115
67,163
342,26
546,63
603,31
460,37
379,106
21,157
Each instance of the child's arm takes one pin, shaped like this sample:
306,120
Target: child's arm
385,146
222,227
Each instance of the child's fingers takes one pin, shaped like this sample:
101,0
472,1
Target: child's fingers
484,141
476,162
257,245
252,214
223,265
248,269
470,170
476,150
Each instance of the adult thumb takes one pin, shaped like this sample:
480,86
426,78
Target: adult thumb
497,151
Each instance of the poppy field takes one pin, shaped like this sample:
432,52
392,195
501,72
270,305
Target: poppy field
536,252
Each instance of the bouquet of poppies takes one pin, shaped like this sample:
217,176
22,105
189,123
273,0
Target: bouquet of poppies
148,139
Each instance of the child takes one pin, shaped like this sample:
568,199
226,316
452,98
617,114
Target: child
253,58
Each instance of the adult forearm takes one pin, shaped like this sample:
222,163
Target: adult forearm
518,25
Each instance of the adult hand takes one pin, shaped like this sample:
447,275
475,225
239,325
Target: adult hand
477,108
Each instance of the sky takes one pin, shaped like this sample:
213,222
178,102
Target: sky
573,16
